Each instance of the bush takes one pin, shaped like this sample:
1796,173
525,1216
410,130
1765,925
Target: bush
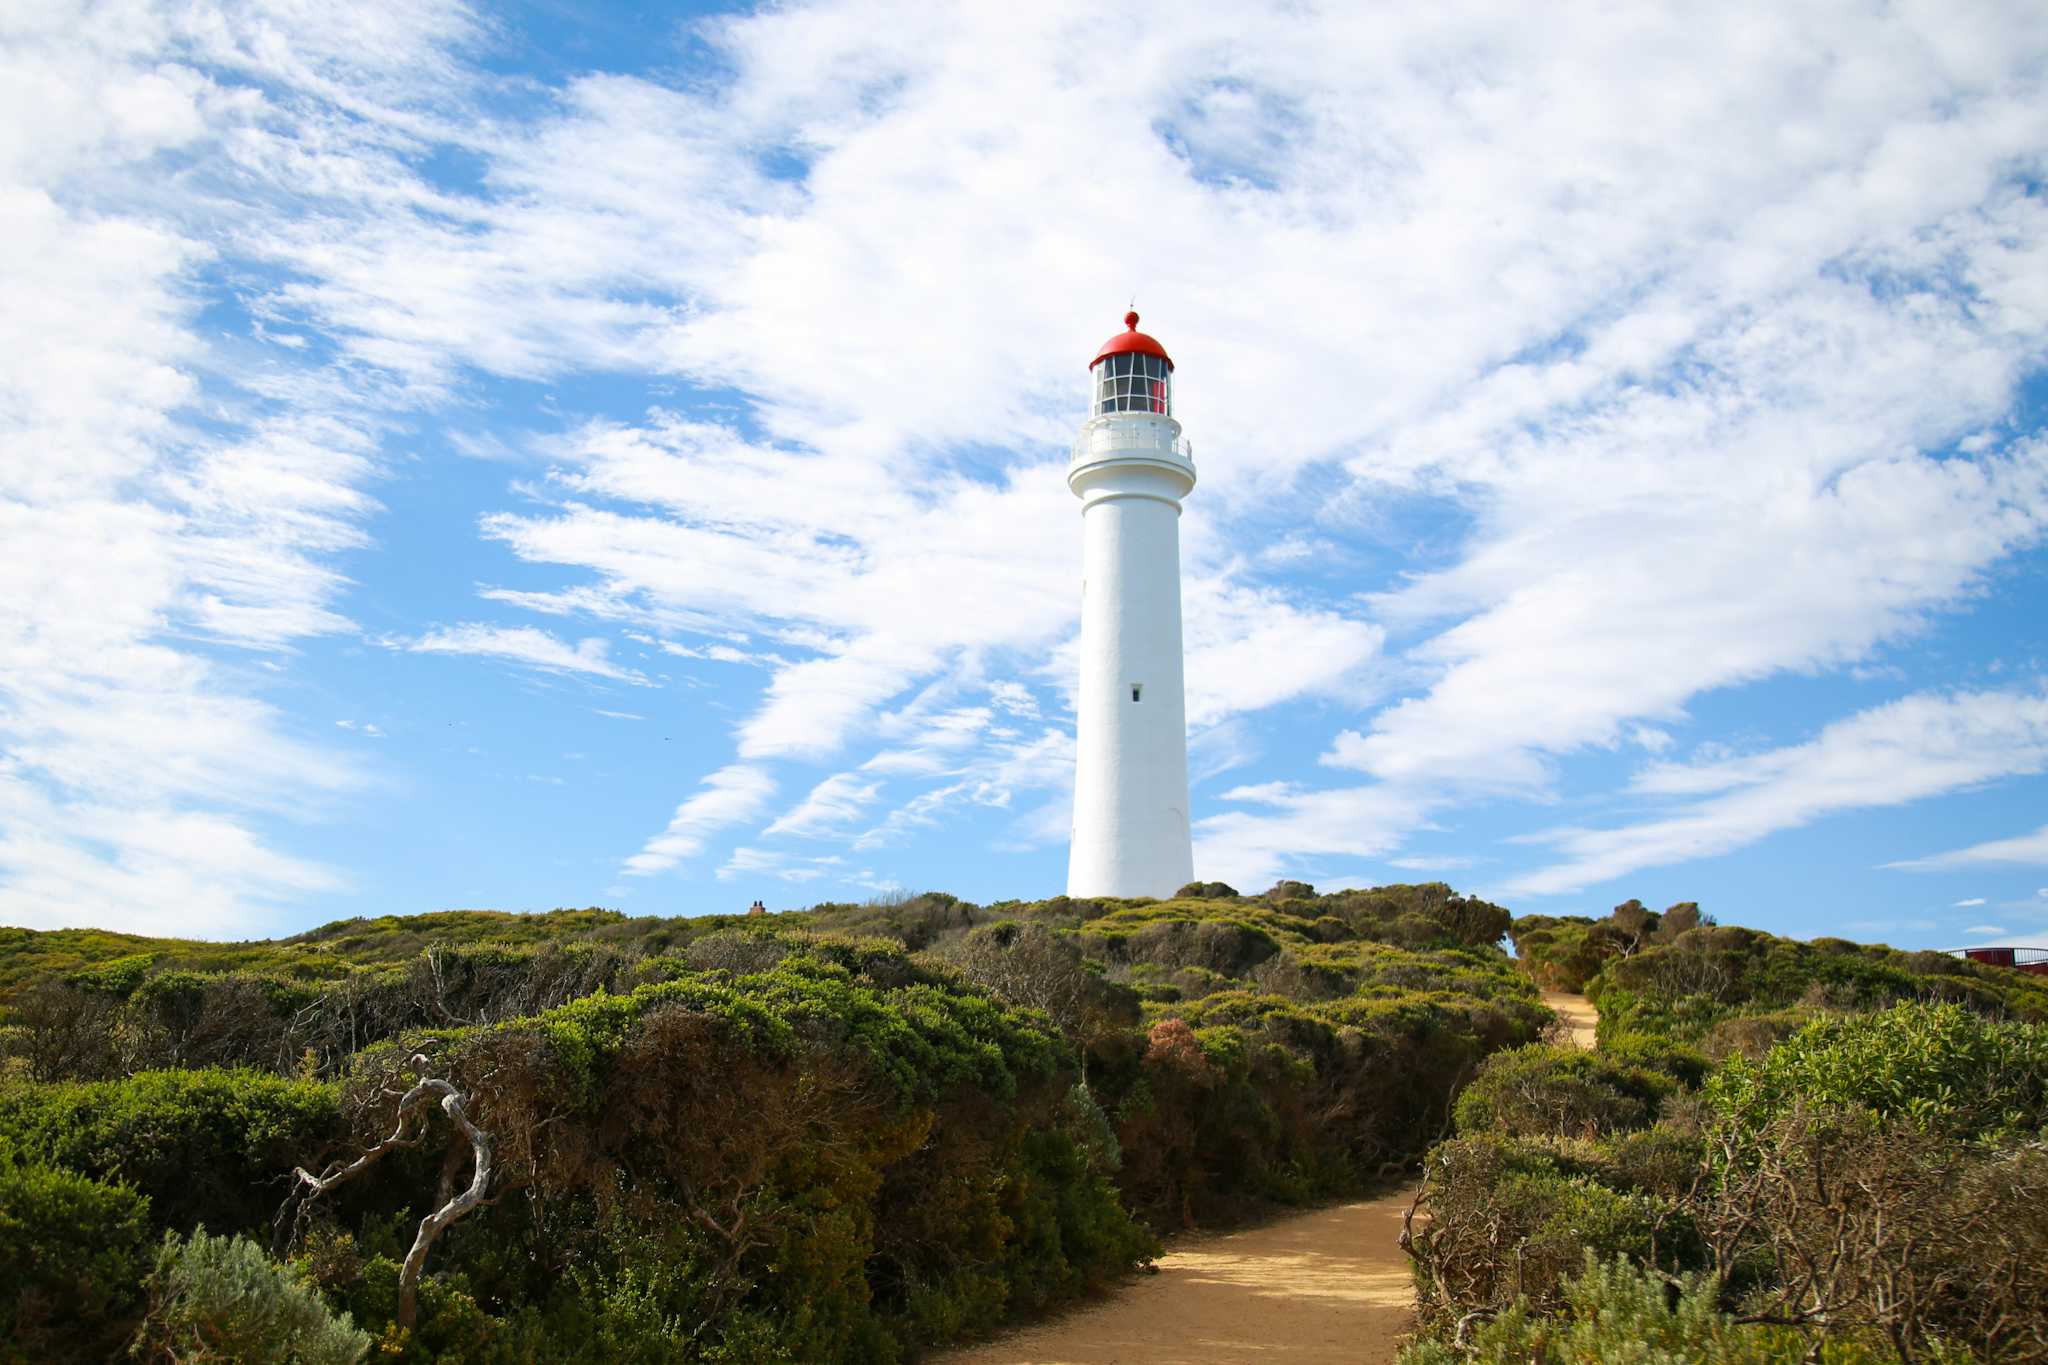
1849,1225
910,1161
1751,1035
1686,1065
1544,1091
1508,1221
1616,1313
71,1252
222,1298
203,1145
62,1030
1940,1066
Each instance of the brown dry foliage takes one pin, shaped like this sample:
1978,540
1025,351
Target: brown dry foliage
1886,1228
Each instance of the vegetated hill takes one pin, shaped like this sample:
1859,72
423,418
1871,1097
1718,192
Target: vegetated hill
1729,989
1828,1150
844,1133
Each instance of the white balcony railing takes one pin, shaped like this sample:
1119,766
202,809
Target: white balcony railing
1111,437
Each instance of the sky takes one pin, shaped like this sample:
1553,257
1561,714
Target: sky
548,455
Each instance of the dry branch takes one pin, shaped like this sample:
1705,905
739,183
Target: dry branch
453,1103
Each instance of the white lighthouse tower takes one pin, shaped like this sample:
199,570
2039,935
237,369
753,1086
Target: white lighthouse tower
1131,468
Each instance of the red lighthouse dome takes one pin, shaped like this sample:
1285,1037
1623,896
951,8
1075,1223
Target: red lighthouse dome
1131,341
1133,373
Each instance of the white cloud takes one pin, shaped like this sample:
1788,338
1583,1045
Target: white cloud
1015,699
787,866
929,744
522,645
993,779
733,795
139,866
1253,850
1919,746
1220,749
831,805
158,502
1434,863
1986,930
2024,849
1968,902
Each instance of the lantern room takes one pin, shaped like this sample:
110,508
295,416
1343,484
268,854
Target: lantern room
1132,373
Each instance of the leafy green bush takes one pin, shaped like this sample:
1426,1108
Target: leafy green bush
222,1298
1688,1066
1542,1091
1940,1066
71,1252
203,1145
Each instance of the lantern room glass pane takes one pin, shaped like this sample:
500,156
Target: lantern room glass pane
1128,382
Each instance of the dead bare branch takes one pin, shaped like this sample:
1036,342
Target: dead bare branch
405,1134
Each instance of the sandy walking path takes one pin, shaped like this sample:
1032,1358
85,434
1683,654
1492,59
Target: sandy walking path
1325,1288
1578,1014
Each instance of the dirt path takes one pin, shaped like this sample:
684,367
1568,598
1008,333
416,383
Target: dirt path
1577,1013
1323,1288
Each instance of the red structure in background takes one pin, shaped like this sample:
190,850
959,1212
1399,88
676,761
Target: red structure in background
2033,960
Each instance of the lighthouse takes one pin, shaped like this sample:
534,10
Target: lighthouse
1130,468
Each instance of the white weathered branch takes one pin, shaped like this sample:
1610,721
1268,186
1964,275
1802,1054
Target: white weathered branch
434,1224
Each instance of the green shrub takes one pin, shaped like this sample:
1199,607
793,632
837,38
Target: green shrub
222,1298
1542,1091
1941,1066
71,1258
911,1161
1687,1066
1663,1161
203,1145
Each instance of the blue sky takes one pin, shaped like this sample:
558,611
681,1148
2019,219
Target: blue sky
537,456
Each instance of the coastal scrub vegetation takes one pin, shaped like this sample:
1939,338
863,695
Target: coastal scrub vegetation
1780,1151
849,1133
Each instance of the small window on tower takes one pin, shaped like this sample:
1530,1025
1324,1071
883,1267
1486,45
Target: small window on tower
1137,691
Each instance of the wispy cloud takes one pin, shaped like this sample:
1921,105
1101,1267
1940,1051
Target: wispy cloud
785,866
733,795
2021,850
831,805
1436,863
169,497
525,645
1916,747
